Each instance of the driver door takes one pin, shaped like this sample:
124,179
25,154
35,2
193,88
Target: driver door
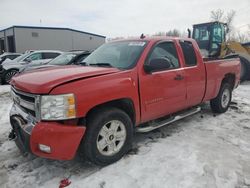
164,91
34,58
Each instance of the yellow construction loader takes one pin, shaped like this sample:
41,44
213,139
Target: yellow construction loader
211,38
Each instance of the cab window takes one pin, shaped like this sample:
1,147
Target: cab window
165,50
217,34
201,33
189,53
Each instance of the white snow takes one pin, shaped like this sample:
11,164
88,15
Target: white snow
203,150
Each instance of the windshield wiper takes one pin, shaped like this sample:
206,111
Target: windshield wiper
83,63
101,64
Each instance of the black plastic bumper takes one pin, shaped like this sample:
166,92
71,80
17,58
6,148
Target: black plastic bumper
22,125
21,138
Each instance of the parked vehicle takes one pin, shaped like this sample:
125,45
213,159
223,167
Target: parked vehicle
10,56
211,38
123,86
9,69
66,58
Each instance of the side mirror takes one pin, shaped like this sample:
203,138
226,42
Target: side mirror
157,64
28,60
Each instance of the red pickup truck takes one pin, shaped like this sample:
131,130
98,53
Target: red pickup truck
122,87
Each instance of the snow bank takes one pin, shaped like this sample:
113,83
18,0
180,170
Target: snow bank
204,150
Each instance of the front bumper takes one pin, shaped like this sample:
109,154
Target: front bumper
63,139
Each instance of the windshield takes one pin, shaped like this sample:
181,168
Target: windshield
122,54
62,59
201,33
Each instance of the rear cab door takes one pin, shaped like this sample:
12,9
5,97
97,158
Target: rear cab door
195,72
162,92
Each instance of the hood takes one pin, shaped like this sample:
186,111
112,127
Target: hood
7,62
30,68
42,81
12,65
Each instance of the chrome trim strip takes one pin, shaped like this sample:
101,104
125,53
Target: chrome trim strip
37,107
23,93
18,100
168,121
26,104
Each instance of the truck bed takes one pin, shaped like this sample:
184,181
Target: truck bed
216,69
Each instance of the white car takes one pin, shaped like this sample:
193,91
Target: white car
41,57
8,56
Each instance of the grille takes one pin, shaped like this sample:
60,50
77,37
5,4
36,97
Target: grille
28,102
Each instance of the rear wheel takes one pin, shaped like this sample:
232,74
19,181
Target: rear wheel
8,75
108,136
221,103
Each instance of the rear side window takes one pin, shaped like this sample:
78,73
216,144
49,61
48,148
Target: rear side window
49,55
189,53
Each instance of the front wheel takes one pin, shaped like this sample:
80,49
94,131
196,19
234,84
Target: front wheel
8,75
221,103
108,136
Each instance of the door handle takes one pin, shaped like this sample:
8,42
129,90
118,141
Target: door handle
179,77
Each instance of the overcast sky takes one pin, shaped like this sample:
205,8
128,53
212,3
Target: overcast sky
116,18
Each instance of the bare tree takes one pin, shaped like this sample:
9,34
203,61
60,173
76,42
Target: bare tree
217,15
228,18
242,37
160,33
173,33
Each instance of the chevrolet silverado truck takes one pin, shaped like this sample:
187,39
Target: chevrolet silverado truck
93,109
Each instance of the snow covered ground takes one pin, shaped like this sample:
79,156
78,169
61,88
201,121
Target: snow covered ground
203,150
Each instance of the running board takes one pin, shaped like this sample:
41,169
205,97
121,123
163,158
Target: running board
172,119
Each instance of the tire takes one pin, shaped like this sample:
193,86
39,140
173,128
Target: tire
8,75
245,72
102,145
221,103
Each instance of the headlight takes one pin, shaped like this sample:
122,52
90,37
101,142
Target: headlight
58,107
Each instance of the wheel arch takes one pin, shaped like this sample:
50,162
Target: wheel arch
124,104
230,79
7,71
11,69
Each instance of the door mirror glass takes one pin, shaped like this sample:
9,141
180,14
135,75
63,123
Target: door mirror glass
28,60
157,64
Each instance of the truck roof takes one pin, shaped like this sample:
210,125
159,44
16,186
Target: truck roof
155,38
